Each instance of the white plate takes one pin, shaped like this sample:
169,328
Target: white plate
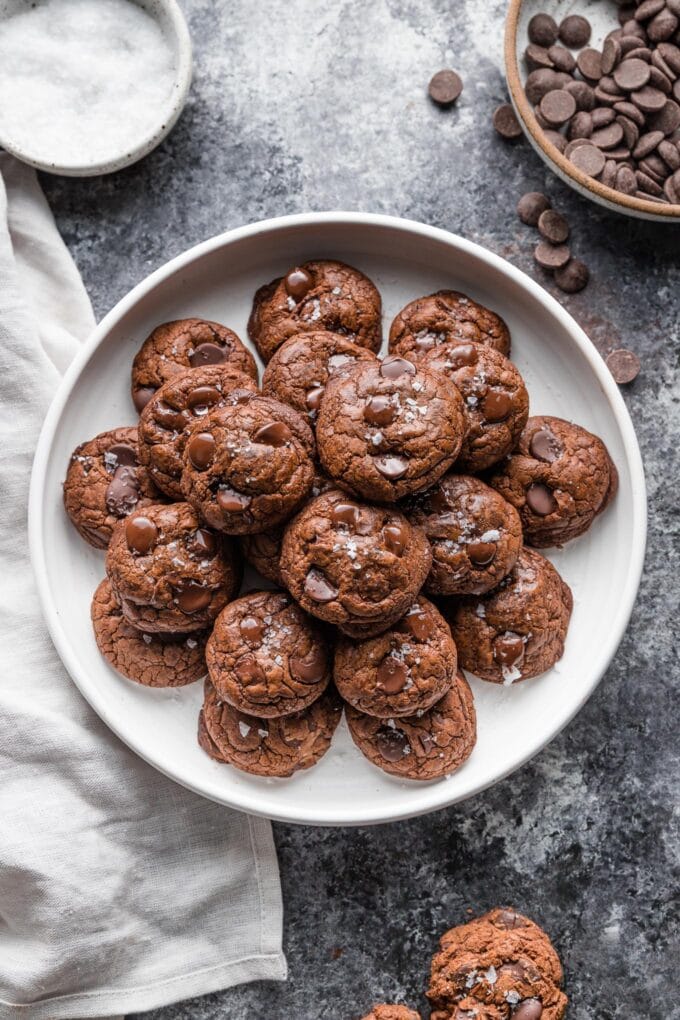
565,376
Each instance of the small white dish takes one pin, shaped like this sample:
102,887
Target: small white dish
170,19
565,376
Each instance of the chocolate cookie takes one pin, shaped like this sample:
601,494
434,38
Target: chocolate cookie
168,571
104,483
266,657
173,347
154,660
443,317
248,464
496,400
321,294
299,370
518,630
428,745
353,565
263,551
559,479
269,747
165,421
383,1011
500,961
387,429
474,534
404,670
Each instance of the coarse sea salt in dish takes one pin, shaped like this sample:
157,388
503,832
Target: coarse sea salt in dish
89,86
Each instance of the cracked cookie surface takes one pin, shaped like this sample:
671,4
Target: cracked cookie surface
154,660
168,571
428,745
442,317
299,370
475,535
404,670
267,657
495,398
105,482
357,566
166,420
269,747
322,294
560,478
175,346
387,429
248,465
499,965
517,630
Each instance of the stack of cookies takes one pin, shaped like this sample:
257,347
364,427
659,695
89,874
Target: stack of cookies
357,485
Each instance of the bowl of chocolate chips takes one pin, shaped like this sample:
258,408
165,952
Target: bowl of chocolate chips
596,87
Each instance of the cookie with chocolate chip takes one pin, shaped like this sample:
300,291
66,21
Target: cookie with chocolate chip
174,346
560,478
495,399
475,535
299,370
154,660
322,294
248,464
404,670
501,962
266,657
388,429
268,747
441,318
385,1011
517,630
169,572
427,745
105,481
165,422
359,567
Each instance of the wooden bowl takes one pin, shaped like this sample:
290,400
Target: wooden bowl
602,15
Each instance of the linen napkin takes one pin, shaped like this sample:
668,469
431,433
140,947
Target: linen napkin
119,890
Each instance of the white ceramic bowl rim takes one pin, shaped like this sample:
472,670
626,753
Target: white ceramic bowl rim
171,15
267,804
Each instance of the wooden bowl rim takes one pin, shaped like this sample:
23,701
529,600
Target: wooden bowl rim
530,124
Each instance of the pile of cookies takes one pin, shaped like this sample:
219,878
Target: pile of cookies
498,966
396,503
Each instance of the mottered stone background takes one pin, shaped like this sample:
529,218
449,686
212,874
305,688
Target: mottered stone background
299,105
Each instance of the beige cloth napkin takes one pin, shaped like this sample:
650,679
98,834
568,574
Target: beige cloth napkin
119,890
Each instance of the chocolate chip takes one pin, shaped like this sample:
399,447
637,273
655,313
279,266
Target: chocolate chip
647,144
496,405
207,354
140,534
632,74
582,93
530,207
624,365
544,446
313,397
120,455
667,119
391,466
508,649
392,367
142,396
231,501
649,99
201,450
252,629
540,499
418,623
551,256
553,226
537,57
193,597
573,277
561,58
481,554
611,55
626,181
589,63
608,175
581,125
391,675
393,744
558,106
395,537
347,514
122,492
462,354
542,30
556,139
308,669
589,159
506,123
275,433
607,137
663,26
379,410
318,587
203,543
648,9
538,83
298,282
670,154
529,1009
575,31
445,87
202,398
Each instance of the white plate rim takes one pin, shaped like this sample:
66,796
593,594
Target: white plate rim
264,804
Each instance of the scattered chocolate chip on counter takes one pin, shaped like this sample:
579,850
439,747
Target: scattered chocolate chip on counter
506,123
445,87
531,207
552,253
624,365
553,226
573,277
